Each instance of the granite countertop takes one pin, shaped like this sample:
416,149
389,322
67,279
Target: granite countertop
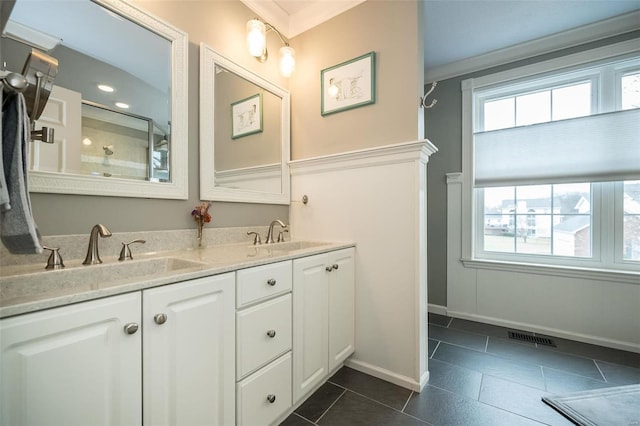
29,288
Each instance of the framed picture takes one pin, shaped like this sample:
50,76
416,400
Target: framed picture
348,85
246,116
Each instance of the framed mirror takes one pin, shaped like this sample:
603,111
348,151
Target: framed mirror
119,102
244,134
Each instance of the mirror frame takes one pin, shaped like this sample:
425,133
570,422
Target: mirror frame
209,58
178,188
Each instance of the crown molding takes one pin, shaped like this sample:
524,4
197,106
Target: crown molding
587,33
290,26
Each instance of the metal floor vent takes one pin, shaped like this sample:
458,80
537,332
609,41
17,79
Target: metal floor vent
528,337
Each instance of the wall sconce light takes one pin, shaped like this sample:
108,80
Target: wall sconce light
257,45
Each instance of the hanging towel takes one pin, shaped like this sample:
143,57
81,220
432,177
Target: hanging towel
4,193
18,230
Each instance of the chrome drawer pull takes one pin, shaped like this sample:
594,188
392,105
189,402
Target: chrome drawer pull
160,318
271,333
131,328
271,282
271,398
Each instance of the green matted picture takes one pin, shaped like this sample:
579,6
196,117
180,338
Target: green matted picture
246,116
349,85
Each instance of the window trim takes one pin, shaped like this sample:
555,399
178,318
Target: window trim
469,212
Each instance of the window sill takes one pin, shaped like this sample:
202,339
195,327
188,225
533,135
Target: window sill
630,277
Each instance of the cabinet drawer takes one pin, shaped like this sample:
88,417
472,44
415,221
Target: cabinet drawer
263,334
263,282
265,395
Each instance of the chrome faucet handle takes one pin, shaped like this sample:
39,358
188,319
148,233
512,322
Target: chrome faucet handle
55,260
93,256
256,238
281,235
125,253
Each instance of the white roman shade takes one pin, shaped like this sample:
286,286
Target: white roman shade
603,147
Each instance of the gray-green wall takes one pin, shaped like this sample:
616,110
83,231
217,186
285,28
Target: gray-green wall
444,129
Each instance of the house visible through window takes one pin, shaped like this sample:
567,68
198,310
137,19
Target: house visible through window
556,163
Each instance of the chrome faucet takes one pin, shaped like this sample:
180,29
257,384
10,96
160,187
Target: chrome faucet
93,257
270,233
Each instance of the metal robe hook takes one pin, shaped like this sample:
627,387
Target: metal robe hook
423,100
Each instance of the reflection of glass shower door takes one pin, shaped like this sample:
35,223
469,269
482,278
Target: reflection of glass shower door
114,144
159,156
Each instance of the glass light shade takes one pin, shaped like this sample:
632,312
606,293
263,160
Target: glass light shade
256,37
287,61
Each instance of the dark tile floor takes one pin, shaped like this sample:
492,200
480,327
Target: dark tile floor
477,377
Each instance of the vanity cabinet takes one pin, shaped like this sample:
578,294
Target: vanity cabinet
263,343
188,345
323,317
73,365
168,352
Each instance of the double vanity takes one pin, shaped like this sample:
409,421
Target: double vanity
233,333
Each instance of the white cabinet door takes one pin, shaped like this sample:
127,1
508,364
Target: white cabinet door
341,306
310,323
189,354
74,365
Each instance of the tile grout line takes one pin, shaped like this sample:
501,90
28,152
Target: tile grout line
435,349
331,406
304,418
599,370
407,401
544,378
450,321
378,402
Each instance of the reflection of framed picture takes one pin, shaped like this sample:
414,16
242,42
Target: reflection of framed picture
246,116
348,85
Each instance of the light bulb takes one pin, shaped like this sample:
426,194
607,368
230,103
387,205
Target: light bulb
256,37
287,61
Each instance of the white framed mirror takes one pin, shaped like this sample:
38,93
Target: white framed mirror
244,134
131,141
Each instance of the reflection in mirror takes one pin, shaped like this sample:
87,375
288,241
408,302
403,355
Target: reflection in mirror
245,148
118,106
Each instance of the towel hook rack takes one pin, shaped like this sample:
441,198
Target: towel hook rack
423,100
35,82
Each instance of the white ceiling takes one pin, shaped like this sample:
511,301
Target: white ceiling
456,30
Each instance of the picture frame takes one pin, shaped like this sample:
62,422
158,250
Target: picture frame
246,116
349,85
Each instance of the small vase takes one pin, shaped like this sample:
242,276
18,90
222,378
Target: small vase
200,235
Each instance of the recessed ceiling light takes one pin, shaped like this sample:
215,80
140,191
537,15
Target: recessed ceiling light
122,105
106,88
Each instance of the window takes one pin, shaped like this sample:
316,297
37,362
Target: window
555,160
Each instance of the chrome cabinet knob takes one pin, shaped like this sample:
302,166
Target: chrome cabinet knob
131,328
271,398
271,282
271,333
160,318
335,266
328,268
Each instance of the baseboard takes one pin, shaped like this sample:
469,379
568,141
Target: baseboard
389,376
585,338
437,309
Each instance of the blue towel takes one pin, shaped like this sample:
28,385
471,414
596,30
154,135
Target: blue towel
18,230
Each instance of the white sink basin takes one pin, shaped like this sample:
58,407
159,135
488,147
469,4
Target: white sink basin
88,277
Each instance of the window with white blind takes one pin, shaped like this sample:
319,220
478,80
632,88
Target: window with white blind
553,154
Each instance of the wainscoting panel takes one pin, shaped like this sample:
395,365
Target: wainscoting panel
376,198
